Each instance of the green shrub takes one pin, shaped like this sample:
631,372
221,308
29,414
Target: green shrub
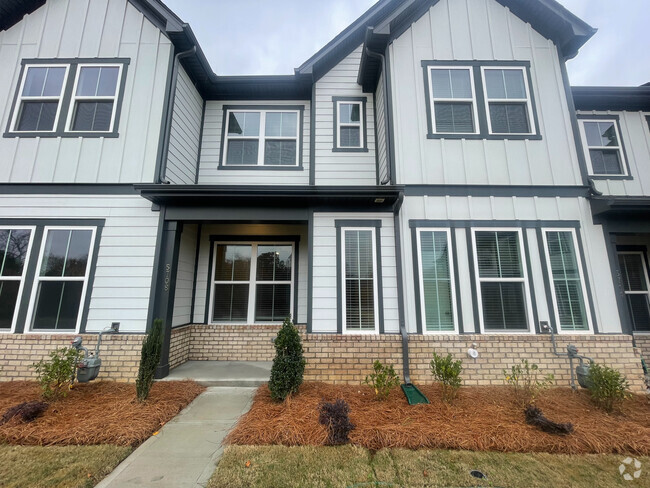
288,364
383,380
447,372
56,374
528,382
608,387
149,360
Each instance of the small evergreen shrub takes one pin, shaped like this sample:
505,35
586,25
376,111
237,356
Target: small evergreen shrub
149,360
447,372
609,388
335,416
288,364
56,374
527,381
382,380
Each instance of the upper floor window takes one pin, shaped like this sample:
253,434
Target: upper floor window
507,100
602,143
350,124
68,98
479,100
262,138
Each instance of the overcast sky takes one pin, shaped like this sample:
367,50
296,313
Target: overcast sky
275,36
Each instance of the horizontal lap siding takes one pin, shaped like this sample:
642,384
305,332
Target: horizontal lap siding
343,168
324,301
513,209
185,133
88,29
380,115
482,30
209,172
123,274
185,277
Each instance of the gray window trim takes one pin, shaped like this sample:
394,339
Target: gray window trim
66,99
32,262
364,119
298,167
617,121
340,224
482,121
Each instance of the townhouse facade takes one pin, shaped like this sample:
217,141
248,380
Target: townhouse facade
428,180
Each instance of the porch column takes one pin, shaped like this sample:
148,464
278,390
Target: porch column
165,288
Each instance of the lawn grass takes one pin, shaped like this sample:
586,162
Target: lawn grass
348,466
57,467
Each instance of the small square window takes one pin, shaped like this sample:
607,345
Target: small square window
349,124
602,144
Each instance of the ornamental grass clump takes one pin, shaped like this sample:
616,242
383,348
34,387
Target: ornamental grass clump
527,381
149,360
56,374
447,372
289,364
382,380
608,387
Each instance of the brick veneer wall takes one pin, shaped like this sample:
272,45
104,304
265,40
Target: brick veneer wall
643,344
233,342
120,354
179,346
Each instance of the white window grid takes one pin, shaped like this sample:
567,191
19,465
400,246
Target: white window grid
95,98
527,100
523,279
252,281
38,279
20,278
452,284
21,98
261,137
472,100
581,274
644,265
373,239
340,125
619,147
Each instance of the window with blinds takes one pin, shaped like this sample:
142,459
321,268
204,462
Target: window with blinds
508,101
501,280
437,300
634,274
566,275
602,142
359,275
453,100
15,246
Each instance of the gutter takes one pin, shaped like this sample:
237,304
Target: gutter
400,290
382,59
171,96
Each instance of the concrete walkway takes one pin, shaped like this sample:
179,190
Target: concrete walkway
223,373
185,452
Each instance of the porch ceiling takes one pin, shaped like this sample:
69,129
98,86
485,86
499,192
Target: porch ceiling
368,197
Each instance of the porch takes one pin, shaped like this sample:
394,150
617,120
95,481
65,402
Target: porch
223,373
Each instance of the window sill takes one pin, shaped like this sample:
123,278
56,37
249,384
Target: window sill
260,168
611,177
65,135
489,137
350,149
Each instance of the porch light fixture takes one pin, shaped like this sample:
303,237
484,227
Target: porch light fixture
379,200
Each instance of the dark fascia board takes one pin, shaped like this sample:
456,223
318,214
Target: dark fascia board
620,206
12,11
634,98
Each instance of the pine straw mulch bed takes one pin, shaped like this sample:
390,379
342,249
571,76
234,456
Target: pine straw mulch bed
481,419
103,412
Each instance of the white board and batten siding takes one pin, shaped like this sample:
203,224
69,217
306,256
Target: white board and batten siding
185,276
482,30
343,168
185,132
512,209
122,283
324,298
211,174
88,29
204,272
635,135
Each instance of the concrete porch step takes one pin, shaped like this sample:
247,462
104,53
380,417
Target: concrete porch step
223,373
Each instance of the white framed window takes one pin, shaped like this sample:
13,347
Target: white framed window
567,280
94,98
38,104
453,100
601,141
359,286
61,281
262,137
350,130
437,286
503,290
15,249
252,282
634,273
507,100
